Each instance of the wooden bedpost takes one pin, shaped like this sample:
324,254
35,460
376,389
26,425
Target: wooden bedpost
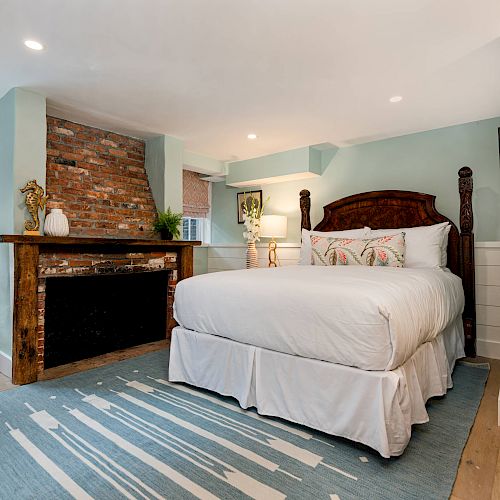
467,258
305,208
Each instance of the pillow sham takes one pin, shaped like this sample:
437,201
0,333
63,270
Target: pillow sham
426,246
305,248
444,245
382,251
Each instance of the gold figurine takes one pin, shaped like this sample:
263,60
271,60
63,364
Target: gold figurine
35,200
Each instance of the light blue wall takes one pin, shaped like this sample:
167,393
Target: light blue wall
203,164
30,153
427,162
164,164
7,133
174,163
22,158
294,161
155,167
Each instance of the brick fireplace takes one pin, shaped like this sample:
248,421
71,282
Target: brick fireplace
40,258
57,264
98,179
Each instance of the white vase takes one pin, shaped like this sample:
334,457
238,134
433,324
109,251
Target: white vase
252,260
56,223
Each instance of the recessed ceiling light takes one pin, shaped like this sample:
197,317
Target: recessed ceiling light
33,45
252,136
396,98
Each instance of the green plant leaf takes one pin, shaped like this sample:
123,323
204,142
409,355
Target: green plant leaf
168,221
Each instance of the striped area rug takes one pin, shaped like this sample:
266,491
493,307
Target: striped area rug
123,431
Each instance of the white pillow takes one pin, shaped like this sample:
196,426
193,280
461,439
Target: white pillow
306,251
444,246
426,246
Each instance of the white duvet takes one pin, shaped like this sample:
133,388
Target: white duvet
373,318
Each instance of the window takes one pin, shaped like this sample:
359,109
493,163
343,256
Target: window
193,228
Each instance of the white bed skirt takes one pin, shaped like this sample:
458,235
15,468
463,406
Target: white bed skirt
376,408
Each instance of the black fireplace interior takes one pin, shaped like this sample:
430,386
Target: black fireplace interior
86,316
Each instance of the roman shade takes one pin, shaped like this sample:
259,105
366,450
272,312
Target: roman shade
196,201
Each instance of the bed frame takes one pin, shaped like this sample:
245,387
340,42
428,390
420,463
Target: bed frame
393,209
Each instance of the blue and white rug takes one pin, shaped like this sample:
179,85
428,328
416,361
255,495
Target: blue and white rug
123,431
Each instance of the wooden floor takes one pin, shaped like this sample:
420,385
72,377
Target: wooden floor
479,471
5,384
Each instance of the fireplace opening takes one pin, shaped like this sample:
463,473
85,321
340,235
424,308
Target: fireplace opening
86,316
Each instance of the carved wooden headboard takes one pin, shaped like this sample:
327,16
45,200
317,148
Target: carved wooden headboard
394,209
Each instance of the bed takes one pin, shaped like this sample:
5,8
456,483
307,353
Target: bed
348,350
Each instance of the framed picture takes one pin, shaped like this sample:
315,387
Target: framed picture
246,198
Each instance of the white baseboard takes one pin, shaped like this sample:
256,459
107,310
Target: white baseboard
5,365
488,348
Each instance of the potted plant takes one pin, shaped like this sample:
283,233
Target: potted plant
167,224
252,212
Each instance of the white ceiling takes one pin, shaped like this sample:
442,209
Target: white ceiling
296,72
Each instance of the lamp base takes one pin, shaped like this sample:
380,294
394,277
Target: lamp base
272,254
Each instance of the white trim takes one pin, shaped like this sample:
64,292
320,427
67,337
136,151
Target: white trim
244,245
5,365
487,244
477,244
488,348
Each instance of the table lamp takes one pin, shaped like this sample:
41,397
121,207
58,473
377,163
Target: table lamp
273,226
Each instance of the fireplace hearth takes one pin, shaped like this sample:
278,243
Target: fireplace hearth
86,316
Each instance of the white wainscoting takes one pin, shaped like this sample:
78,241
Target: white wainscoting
227,257
487,255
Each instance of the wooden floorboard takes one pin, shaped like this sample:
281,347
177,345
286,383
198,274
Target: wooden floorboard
478,471
478,475
495,492
5,383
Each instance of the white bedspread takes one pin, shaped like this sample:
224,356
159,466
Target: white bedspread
370,318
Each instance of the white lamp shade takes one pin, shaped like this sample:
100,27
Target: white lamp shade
273,226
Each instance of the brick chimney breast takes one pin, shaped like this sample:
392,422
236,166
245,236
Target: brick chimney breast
99,180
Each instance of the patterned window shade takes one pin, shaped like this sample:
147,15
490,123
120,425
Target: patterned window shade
196,201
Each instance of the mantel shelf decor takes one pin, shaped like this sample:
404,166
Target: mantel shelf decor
35,200
56,223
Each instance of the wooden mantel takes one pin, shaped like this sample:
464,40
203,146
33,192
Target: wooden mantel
55,240
31,245
27,251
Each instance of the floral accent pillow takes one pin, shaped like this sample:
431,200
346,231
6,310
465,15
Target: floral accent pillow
382,251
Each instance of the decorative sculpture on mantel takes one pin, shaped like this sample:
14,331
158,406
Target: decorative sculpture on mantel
35,200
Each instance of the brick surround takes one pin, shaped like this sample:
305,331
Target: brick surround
99,180
56,264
